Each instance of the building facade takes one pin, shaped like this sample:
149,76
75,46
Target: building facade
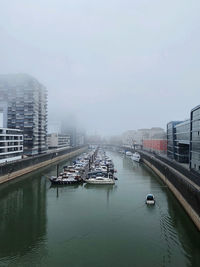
23,101
158,146
182,141
171,138
132,137
80,138
178,140
195,139
56,140
11,144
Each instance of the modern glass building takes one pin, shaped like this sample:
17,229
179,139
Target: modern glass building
182,141
171,138
26,101
178,140
195,139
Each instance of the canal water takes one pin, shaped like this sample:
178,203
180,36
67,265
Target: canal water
93,225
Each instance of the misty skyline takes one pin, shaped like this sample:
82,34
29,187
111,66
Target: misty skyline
115,65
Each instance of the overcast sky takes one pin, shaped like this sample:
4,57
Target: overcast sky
115,65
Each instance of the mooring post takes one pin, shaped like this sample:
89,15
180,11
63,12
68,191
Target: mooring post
57,169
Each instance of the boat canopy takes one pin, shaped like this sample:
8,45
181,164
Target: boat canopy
150,197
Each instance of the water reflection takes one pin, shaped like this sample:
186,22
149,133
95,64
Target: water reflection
182,223
59,189
22,217
129,164
107,188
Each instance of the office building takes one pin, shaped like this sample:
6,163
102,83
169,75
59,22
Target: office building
11,144
56,140
23,102
178,140
195,139
182,141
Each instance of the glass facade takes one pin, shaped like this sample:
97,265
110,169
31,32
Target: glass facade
178,139
195,139
171,138
26,109
182,141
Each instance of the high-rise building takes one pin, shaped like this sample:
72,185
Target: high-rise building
80,138
23,102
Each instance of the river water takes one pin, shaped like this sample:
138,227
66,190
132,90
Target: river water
93,225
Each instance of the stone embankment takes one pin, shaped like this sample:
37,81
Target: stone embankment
12,170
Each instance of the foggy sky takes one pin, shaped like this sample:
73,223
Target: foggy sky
115,65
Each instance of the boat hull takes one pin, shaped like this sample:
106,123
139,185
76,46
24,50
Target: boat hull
94,181
150,202
136,160
64,182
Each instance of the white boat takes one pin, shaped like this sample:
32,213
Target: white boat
100,180
150,200
129,153
136,157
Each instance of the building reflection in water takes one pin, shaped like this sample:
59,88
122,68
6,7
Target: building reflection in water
22,216
63,189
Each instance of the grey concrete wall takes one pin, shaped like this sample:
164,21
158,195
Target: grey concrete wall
13,170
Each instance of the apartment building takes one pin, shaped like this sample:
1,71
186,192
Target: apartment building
23,102
11,144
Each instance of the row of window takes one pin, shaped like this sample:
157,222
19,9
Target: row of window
195,156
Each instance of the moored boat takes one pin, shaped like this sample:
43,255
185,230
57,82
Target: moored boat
129,153
100,180
63,181
136,157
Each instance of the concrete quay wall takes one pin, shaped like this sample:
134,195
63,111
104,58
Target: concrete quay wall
12,170
185,190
